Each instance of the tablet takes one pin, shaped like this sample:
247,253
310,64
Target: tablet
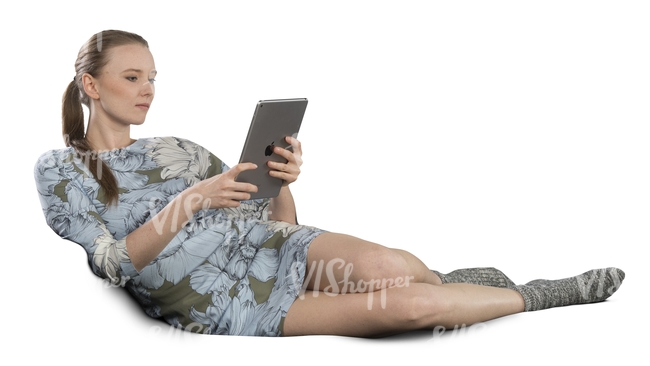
273,121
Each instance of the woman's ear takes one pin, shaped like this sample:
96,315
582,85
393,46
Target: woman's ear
90,86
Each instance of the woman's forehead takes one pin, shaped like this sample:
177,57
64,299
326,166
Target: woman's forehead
130,57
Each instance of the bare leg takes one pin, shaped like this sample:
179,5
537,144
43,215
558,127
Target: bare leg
392,291
337,258
400,293
399,309
415,262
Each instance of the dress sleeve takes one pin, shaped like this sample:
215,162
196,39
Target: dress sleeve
67,195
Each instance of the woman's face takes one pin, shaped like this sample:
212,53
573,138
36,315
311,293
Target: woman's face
125,86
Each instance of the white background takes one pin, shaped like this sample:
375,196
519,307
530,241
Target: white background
511,134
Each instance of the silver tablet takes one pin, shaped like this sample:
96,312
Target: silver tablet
273,121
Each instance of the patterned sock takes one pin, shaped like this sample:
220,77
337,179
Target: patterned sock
487,276
592,286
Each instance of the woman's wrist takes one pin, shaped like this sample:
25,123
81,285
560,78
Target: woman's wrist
192,201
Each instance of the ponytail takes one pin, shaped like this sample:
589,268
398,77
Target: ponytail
73,115
74,136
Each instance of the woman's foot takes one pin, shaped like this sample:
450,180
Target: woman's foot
592,286
487,276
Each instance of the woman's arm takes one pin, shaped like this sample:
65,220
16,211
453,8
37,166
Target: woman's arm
283,208
146,242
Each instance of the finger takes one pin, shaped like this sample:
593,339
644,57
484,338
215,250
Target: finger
244,187
234,171
287,177
278,166
296,146
292,168
228,198
239,196
287,154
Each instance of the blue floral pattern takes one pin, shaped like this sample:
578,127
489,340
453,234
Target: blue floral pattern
227,271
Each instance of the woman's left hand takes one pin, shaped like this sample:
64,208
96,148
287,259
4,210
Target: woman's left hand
290,170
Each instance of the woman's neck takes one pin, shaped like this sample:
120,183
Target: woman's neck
104,138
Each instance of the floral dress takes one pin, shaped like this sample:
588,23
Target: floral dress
227,271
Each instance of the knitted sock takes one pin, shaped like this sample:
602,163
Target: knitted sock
592,286
487,276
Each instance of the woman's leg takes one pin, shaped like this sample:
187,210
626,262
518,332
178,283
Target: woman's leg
359,288
339,263
333,255
398,309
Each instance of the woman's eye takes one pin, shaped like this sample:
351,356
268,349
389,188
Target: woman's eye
131,78
152,81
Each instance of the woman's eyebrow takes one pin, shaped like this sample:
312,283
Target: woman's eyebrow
138,70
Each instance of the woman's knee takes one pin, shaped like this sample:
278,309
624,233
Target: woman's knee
344,259
385,267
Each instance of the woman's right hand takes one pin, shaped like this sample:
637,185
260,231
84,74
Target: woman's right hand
222,190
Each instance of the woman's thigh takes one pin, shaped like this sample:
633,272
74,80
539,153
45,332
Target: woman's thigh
340,263
375,314
399,309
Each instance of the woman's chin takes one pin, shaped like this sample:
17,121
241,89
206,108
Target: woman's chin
137,122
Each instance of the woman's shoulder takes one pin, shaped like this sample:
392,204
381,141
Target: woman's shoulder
52,169
55,154
174,145
53,158
174,141
178,153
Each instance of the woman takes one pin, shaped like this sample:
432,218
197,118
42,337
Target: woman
166,219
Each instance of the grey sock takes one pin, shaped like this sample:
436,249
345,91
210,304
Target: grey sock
592,286
486,276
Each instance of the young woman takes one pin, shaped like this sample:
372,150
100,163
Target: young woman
166,219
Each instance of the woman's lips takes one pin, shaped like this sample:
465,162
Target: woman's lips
144,106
